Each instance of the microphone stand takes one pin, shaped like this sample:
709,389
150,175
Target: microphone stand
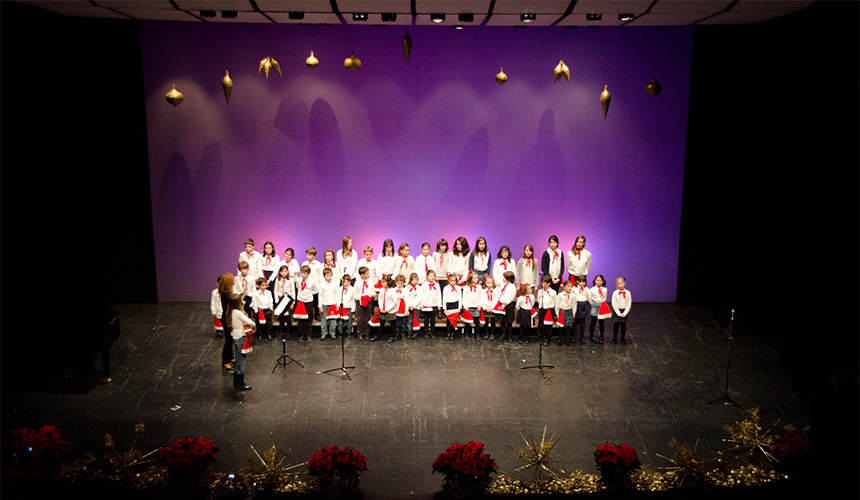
540,366
726,400
343,368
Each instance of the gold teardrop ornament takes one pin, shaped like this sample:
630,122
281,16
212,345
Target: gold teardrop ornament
352,63
267,64
175,97
559,70
604,100
407,46
501,77
653,88
312,61
227,85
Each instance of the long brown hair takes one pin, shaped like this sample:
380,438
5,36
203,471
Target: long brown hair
236,303
345,251
225,283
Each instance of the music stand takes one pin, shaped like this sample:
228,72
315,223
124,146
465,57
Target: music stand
282,360
726,400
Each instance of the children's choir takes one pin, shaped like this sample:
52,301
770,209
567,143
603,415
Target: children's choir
404,296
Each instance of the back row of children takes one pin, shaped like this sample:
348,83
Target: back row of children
341,279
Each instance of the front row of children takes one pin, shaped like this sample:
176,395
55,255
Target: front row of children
410,309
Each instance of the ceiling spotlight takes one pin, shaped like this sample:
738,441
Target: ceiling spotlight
466,18
527,18
458,26
593,17
207,13
228,14
389,17
297,15
359,16
437,18
625,17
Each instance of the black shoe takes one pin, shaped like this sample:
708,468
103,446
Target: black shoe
526,341
242,385
218,335
373,338
520,341
391,339
623,341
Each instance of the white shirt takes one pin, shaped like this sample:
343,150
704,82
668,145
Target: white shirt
578,264
384,265
270,263
414,296
255,264
442,261
489,298
306,289
388,301
451,294
404,266
480,261
215,304
431,296
244,285
546,298
528,274
261,299
501,266
348,264
471,296
239,320
329,292
423,265
507,293
316,270
621,299
459,264
598,294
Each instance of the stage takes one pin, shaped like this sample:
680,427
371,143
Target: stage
409,400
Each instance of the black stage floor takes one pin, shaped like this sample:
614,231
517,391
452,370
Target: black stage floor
409,400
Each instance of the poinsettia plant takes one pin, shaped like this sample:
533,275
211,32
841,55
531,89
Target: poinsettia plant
791,444
34,452
465,466
332,461
189,454
616,462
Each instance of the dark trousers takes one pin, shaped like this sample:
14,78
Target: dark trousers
545,331
362,316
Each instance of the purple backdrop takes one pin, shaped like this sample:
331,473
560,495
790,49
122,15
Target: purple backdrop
415,152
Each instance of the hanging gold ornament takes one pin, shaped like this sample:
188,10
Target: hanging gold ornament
352,63
561,69
407,46
312,61
604,100
653,88
501,77
175,97
267,64
227,85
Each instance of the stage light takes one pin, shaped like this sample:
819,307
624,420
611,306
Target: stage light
625,17
359,16
527,18
207,13
297,15
593,17
458,26
228,14
466,18
437,18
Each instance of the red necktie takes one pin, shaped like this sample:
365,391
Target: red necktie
250,254
472,288
554,256
578,254
581,290
363,287
432,286
566,298
402,263
425,266
304,284
601,293
505,264
412,289
624,294
283,286
528,301
529,262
